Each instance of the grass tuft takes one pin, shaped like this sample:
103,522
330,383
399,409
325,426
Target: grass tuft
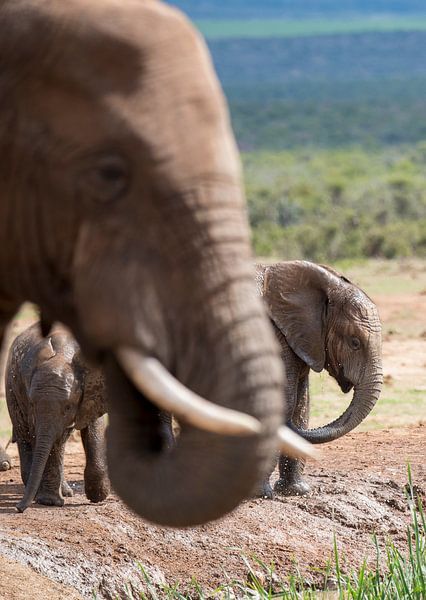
397,575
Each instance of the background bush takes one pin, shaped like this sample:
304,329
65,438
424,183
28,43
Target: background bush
328,205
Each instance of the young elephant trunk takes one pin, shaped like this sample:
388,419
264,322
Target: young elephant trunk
363,401
43,447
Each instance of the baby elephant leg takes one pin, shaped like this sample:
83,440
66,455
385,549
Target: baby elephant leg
96,482
50,490
265,489
291,482
65,487
25,459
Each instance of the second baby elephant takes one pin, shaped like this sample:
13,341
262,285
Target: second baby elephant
50,391
322,321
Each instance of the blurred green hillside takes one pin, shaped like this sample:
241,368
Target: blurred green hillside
329,205
334,90
328,103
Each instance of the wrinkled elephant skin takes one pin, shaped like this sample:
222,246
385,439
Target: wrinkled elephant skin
122,216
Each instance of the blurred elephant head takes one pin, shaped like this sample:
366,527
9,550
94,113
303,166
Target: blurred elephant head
122,215
329,323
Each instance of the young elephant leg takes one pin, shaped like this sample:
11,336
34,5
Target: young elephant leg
290,482
25,459
96,482
292,366
65,487
51,487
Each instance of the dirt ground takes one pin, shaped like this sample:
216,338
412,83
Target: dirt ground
84,549
358,489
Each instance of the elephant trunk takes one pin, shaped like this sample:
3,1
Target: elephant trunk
363,401
43,447
204,474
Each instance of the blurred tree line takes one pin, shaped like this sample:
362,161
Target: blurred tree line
328,205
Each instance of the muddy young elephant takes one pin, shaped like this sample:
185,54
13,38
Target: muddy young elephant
322,321
51,391
122,216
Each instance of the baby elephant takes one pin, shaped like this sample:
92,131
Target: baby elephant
50,391
322,321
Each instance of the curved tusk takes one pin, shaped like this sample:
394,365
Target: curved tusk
150,377
293,445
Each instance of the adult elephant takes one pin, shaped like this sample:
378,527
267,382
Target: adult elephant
122,215
322,321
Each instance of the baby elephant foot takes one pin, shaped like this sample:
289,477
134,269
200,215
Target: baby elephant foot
66,490
264,491
5,464
292,488
5,460
97,490
49,498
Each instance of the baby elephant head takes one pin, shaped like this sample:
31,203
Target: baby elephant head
330,324
56,388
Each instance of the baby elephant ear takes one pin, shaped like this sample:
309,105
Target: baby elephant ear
297,303
46,351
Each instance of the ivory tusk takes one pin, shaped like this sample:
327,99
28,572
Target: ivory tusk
150,377
294,446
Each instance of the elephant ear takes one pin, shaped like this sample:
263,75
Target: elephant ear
296,297
93,398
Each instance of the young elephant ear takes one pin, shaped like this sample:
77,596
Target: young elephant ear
93,393
296,296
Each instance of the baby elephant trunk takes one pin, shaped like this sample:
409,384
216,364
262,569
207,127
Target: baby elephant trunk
43,447
363,401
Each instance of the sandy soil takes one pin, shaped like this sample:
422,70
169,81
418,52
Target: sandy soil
357,489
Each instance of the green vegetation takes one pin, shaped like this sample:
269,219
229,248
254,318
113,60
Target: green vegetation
325,91
265,28
399,574
331,205
328,115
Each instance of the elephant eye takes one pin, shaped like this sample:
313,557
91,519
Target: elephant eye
354,343
108,179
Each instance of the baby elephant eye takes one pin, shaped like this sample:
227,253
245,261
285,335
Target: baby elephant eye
354,343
